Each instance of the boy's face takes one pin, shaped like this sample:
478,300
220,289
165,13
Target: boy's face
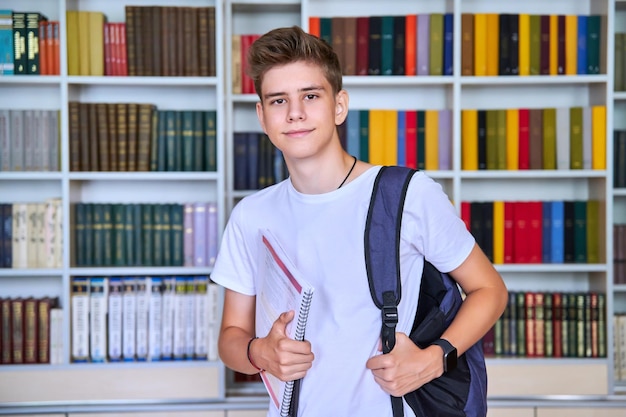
299,111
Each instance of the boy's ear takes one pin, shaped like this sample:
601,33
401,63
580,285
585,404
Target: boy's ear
259,114
341,107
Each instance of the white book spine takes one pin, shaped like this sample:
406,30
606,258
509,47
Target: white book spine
33,235
56,336
167,339
58,234
80,319
129,319
5,140
190,317
17,145
29,137
622,346
98,318
213,321
155,318
143,297
53,142
587,134
180,319
115,318
43,136
212,231
41,235
201,317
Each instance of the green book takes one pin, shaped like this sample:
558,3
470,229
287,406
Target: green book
535,44
594,34
386,63
520,340
364,134
576,137
166,240
188,138
326,31
210,138
581,306
137,235
501,139
572,325
155,140
171,137
107,232
565,319
593,231
119,241
548,325
492,140
157,234
89,234
176,234
79,233
129,234
198,141
98,234
549,138
147,233
436,44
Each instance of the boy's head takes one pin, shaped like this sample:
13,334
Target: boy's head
287,45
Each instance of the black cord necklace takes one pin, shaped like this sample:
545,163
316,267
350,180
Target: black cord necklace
349,172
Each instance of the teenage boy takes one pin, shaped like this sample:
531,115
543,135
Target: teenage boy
318,214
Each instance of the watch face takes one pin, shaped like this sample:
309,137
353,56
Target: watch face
451,360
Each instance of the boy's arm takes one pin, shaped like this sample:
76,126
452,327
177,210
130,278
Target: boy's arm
276,353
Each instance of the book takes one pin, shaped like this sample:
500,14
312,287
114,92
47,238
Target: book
281,288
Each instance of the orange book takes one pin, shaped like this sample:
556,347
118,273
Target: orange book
512,139
431,143
571,44
480,44
554,44
44,69
498,232
314,25
391,137
598,137
524,44
493,44
469,139
410,42
377,137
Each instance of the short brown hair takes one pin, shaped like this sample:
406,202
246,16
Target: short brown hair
291,44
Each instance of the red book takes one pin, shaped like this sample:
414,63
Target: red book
43,49
530,325
362,43
411,138
108,48
52,56
466,214
557,323
247,85
509,225
544,45
534,211
524,139
520,233
314,25
410,42
122,61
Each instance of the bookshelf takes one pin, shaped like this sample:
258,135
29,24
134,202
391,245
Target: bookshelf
518,386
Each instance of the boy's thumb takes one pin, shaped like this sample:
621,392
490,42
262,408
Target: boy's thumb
283,320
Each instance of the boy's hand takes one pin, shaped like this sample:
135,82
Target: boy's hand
406,367
280,355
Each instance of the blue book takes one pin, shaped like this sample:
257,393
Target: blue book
401,154
557,232
352,133
546,244
6,42
447,43
581,65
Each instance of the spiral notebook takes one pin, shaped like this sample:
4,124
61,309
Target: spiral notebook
281,287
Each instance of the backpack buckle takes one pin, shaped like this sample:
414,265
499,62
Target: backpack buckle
390,316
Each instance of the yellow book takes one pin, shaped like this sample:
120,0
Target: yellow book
377,137
83,44
469,139
391,137
554,42
498,232
493,44
571,44
512,139
549,138
480,44
598,137
432,140
236,64
96,44
524,44
73,65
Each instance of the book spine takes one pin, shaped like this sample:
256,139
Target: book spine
115,323
98,300
80,319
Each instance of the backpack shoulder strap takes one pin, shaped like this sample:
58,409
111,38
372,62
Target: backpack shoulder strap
382,236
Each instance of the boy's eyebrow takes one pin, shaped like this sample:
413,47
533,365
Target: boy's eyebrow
301,90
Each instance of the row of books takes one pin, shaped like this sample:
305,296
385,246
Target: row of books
619,253
523,232
153,41
145,234
619,343
550,324
144,318
29,140
31,330
550,138
416,44
31,234
619,158
258,163
140,137
529,44
29,44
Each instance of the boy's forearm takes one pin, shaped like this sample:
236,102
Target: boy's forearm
233,345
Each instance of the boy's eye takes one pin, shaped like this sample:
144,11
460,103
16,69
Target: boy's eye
278,101
311,96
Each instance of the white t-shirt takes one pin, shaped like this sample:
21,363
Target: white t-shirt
323,235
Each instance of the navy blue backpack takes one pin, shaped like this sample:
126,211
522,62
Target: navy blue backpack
461,392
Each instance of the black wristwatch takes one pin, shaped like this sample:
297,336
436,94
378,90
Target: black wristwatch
449,354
